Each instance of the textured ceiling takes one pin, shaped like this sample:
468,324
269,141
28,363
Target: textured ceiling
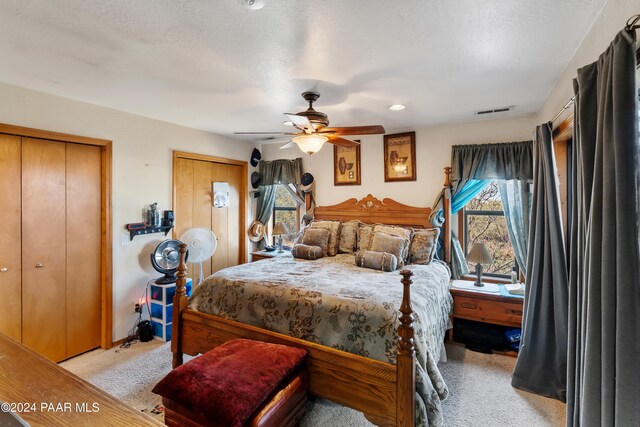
217,66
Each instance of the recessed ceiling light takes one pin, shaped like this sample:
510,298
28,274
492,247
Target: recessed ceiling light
287,123
397,107
252,4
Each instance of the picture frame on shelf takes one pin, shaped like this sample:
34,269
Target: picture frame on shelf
346,165
400,157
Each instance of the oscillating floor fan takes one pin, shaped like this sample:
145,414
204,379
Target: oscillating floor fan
202,244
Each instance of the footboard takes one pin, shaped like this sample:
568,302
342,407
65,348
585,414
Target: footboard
385,393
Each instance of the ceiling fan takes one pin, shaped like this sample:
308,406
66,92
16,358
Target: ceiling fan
314,131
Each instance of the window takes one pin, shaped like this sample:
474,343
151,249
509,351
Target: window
287,210
484,222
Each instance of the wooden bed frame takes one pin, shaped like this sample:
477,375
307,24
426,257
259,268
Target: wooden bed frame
384,392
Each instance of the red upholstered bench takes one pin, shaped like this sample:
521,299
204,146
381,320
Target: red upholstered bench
240,383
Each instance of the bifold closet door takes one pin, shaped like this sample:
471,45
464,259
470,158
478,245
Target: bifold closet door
10,237
233,216
61,228
194,208
83,293
44,266
220,219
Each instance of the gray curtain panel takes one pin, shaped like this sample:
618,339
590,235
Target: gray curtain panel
281,171
541,367
265,204
516,202
603,386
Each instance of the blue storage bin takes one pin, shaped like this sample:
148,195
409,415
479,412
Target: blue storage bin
161,305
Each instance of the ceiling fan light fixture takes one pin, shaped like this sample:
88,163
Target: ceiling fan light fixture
397,107
310,143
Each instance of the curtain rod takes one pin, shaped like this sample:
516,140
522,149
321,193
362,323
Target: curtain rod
566,106
632,24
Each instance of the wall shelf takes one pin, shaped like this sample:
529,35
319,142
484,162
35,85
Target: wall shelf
149,230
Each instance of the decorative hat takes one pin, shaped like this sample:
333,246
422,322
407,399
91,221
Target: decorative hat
255,179
256,231
305,182
255,157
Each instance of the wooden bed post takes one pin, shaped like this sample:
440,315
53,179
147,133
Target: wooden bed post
446,206
406,364
180,302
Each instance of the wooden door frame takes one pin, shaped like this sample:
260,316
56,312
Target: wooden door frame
243,193
106,220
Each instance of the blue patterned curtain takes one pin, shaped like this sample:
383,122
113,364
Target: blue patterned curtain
458,201
516,203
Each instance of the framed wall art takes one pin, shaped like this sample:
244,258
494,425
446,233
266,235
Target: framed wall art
400,157
346,165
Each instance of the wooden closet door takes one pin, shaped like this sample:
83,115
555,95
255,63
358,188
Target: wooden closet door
202,203
233,216
220,219
44,248
83,286
10,237
193,180
183,210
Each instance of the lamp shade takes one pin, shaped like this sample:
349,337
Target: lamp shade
479,254
280,229
310,143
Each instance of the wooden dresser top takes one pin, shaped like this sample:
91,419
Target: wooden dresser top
50,395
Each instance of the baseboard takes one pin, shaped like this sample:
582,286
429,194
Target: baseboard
117,343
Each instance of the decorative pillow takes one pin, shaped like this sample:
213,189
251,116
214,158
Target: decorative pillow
377,260
423,246
365,234
334,234
230,382
383,242
348,241
307,252
396,231
316,237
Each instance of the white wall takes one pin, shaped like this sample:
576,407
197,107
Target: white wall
611,20
142,156
433,153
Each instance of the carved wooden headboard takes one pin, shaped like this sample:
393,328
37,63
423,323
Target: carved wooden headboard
372,211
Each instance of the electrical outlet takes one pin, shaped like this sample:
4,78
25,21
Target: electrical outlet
137,308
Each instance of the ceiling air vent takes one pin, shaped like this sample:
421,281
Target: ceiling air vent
494,111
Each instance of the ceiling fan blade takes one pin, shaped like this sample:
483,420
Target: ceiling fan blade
301,122
290,144
343,142
264,133
355,130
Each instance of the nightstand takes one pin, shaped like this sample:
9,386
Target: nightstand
486,307
489,308
258,255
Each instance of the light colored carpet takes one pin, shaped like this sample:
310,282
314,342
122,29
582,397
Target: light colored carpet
481,393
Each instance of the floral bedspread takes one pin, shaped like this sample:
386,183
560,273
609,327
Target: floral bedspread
333,302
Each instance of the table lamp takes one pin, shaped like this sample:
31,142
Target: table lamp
480,255
278,230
